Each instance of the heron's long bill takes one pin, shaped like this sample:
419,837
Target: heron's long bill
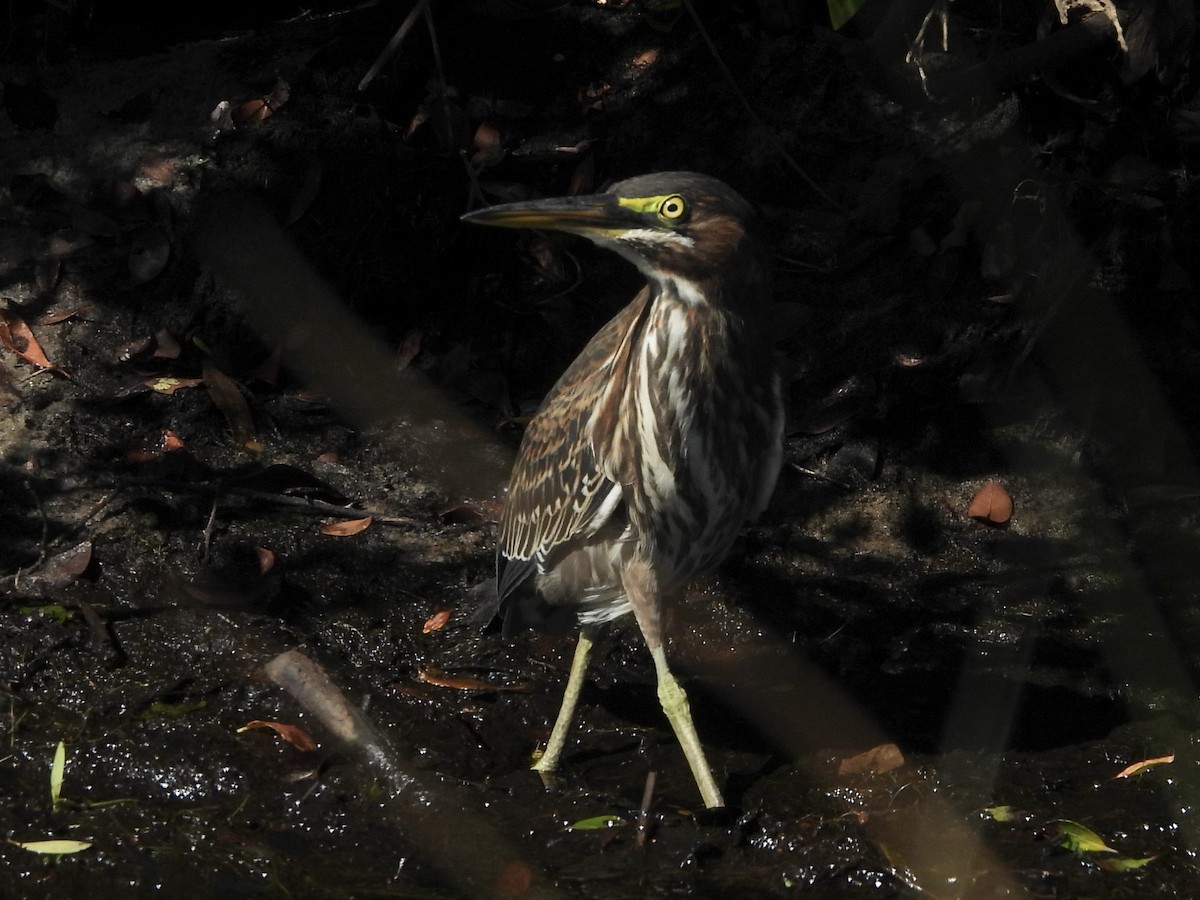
579,215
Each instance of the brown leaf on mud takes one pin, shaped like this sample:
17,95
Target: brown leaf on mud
169,385
17,337
228,398
53,318
991,504
465,682
70,563
1144,765
266,560
131,350
293,734
253,112
61,568
646,58
514,880
165,345
879,759
169,442
347,527
488,147
437,621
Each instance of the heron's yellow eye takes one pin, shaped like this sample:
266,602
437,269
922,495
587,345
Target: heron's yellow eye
672,207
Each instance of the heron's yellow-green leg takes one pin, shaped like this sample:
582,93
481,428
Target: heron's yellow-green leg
547,761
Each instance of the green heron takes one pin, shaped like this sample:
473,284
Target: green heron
659,442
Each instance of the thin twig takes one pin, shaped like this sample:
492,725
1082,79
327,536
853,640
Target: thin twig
643,832
208,529
58,541
393,45
321,506
774,138
443,88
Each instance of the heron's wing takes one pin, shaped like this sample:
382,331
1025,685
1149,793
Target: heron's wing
558,489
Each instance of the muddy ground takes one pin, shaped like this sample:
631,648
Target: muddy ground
260,324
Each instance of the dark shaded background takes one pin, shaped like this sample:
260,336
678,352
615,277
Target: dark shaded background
995,283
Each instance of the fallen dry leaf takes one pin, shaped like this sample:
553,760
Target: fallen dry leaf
228,398
17,337
991,504
53,318
60,569
436,622
293,734
266,560
1144,766
646,58
130,350
347,527
68,565
168,385
515,880
168,442
165,345
879,759
488,148
464,682
251,112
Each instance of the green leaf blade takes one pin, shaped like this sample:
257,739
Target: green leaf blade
842,11
595,823
57,770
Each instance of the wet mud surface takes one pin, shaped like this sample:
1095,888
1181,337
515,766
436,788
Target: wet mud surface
260,330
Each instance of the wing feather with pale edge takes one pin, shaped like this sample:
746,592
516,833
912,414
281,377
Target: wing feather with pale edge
558,489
